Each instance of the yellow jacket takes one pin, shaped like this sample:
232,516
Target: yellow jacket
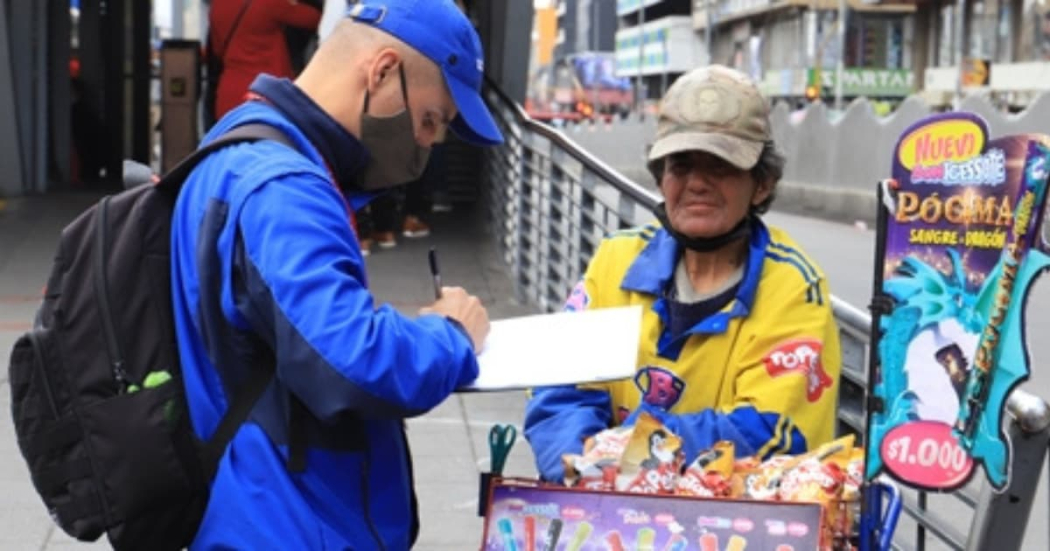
762,372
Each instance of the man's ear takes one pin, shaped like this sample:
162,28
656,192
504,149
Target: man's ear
383,66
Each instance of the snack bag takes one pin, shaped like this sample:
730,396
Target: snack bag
743,469
596,469
652,460
854,476
812,480
820,477
709,475
843,516
762,481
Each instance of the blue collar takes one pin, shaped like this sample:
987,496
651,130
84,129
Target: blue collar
654,267
344,154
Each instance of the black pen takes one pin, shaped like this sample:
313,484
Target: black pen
435,273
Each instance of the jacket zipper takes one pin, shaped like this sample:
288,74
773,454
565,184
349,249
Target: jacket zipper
35,342
364,500
116,357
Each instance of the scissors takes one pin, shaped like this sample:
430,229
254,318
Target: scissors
501,440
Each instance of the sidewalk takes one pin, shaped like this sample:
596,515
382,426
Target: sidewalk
449,444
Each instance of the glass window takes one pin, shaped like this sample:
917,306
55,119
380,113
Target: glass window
875,41
1035,31
988,37
945,44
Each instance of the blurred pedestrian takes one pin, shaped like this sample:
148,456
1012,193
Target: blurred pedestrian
248,39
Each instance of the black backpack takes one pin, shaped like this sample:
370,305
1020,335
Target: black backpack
97,395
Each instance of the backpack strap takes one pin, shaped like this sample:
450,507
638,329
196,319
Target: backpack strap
245,397
246,133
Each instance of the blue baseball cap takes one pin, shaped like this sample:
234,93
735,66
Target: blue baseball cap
440,31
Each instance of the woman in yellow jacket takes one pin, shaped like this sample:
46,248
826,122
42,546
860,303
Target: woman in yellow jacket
738,339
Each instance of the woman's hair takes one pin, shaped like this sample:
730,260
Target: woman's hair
769,168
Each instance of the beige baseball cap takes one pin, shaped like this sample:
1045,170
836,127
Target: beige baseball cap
714,109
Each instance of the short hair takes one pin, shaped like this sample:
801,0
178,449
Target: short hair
769,168
350,39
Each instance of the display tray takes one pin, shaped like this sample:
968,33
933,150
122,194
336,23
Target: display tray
524,515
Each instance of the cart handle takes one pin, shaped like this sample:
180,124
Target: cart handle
882,533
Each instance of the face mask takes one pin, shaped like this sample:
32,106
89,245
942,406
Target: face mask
391,141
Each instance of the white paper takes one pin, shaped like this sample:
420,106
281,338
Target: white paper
559,349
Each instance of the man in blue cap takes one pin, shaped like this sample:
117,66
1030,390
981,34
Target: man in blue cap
266,269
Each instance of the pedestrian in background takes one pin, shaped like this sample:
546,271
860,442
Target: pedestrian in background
248,38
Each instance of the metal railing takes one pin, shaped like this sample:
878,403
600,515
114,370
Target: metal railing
551,203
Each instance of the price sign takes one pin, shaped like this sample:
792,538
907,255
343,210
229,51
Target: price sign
926,453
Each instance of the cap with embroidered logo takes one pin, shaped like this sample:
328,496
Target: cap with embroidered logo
439,30
714,109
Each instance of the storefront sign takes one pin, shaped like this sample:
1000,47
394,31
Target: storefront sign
868,82
730,8
961,246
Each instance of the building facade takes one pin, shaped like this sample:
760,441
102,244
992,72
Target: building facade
940,49
1003,47
793,48
584,26
655,43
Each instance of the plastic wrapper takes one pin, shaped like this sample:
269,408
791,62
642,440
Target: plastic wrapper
710,474
652,460
643,458
599,465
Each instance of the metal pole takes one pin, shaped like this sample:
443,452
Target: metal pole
177,25
709,31
960,27
666,68
1000,519
840,65
596,26
640,103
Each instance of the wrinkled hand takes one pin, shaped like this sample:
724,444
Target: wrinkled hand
466,309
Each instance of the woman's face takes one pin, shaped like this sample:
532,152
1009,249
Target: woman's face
706,196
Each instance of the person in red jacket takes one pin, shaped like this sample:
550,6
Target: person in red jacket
253,45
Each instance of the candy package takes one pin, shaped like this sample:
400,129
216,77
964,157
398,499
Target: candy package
710,473
644,458
597,468
652,460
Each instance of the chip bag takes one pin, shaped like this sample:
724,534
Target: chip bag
597,468
710,473
652,460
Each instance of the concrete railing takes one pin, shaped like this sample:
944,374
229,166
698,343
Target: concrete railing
550,204
833,161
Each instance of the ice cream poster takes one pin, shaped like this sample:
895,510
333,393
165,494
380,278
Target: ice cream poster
561,519
960,241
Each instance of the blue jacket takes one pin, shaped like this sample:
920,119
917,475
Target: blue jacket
265,266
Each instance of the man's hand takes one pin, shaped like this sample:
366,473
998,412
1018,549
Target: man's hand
465,308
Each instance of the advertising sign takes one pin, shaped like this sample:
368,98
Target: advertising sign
525,517
959,245
858,81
